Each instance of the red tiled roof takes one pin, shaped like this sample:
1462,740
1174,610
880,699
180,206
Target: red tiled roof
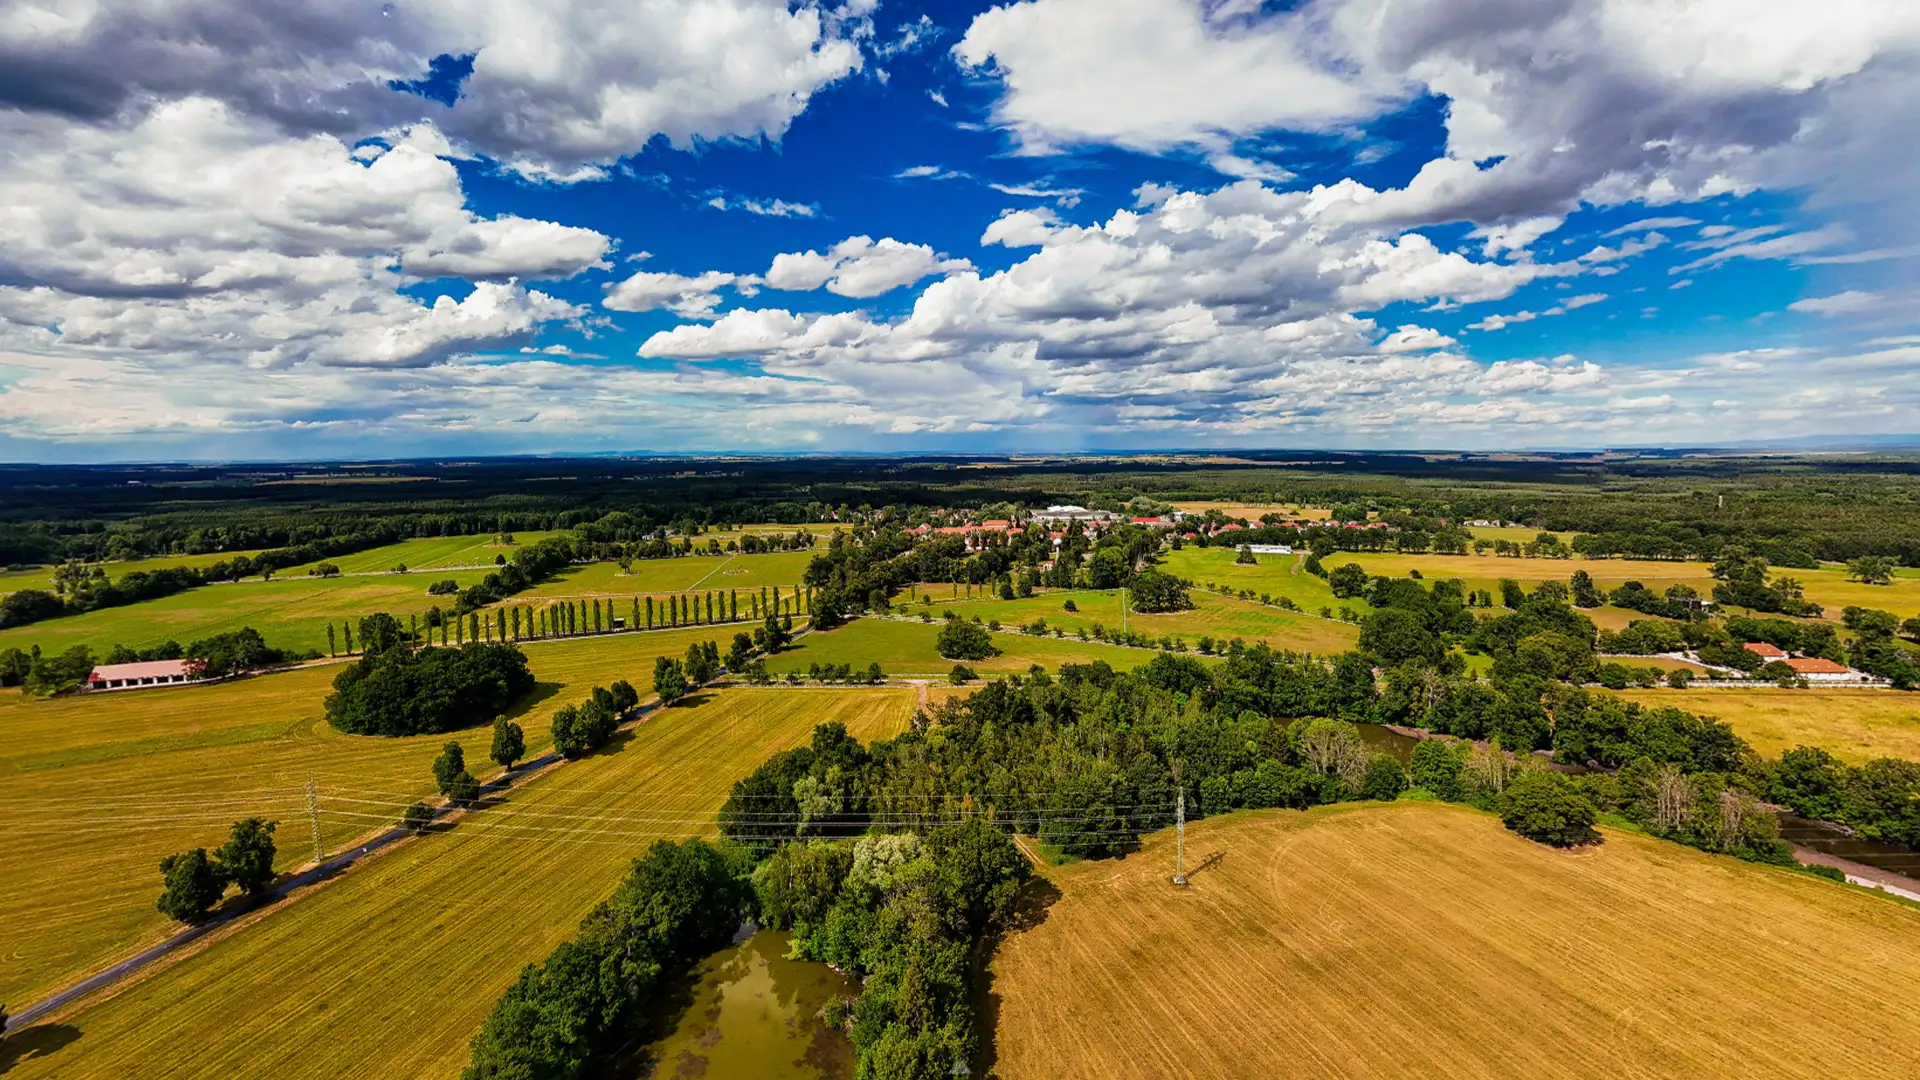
1814,665
145,669
1761,648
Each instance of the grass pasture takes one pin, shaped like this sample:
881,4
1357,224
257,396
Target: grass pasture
42,578
425,553
1854,725
907,648
390,970
1279,575
690,572
1420,939
290,612
1212,616
97,788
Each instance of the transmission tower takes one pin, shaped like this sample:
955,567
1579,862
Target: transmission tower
1179,832
313,816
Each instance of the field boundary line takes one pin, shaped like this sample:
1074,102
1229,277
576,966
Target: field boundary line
282,894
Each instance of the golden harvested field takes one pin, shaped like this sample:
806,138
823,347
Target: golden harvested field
1253,511
98,787
658,576
1827,587
1831,589
1854,725
1485,571
388,971
1519,534
1212,616
1420,939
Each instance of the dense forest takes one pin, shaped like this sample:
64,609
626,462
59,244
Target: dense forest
1831,507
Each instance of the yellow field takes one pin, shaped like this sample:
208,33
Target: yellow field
1831,589
96,788
390,970
1854,725
1420,939
1253,511
1485,571
1519,534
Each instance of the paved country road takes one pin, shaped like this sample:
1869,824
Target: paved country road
282,889
274,895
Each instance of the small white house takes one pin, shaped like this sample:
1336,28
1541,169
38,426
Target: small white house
1270,549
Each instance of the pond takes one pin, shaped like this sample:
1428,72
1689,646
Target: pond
748,1011
1833,840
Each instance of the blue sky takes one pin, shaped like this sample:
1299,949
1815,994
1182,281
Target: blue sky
711,225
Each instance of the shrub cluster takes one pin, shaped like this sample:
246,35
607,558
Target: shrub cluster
579,730
395,689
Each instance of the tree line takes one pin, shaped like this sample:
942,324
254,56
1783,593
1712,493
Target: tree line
218,656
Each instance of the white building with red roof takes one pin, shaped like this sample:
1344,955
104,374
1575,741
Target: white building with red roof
144,673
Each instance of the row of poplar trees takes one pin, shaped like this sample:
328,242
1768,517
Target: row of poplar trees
571,618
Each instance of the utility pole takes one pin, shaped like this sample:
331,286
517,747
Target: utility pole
1179,830
313,817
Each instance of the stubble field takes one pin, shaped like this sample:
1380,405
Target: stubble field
99,787
390,970
1420,939
1853,725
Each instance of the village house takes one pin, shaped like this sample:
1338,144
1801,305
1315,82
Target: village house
1817,669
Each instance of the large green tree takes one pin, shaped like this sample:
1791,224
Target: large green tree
193,886
1549,807
246,859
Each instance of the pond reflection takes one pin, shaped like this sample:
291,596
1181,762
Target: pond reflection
751,1012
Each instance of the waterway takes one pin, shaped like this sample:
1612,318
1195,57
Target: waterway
1833,840
749,1012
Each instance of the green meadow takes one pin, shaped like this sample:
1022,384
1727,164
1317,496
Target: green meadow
290,612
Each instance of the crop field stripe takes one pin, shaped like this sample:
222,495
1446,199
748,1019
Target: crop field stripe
1421,939
76,897
338,984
